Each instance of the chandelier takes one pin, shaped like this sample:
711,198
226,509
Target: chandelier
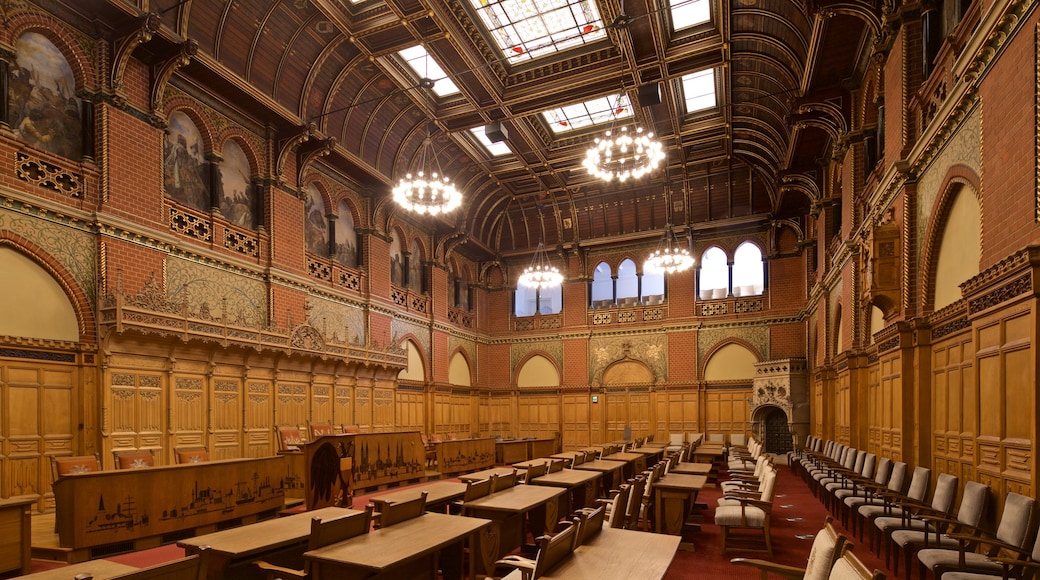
428,190
541,273
624,155
670,257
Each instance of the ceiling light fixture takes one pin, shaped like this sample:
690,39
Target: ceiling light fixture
622,155
428,190
541,274
670,256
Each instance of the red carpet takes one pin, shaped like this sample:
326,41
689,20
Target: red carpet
795,512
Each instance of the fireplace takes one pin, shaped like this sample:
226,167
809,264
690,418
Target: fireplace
779,405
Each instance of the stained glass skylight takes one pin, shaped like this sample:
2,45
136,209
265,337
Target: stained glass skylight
699,90
528,29
687,13
495,148
424,66
588,113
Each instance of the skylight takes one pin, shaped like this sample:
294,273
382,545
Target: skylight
427,68
687,13
588,113
528,29
494,148
699,90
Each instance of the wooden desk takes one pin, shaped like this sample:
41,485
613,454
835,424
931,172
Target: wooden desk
582,484
636,462
540,447
99,569
567,456
511,450
610,470
232,551
521,465
674,496
462,455
438,493
616,554
15,534
692,468
653,454
486,473
403,550
507,509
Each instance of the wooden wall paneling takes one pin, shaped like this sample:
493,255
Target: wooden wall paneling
662,404
891,405
575,424
225,440
727,410
409,402
819,409
382,410
953,406
616,417
291,404
483,414
38,419
639,411
189,400
843,405
874,402
501,414
538,415
363,408
441,412
343,402
258,418
321,400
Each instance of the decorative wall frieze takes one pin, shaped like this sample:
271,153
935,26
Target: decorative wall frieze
553,348
709,337
650,349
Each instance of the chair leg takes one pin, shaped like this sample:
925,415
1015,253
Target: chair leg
769,538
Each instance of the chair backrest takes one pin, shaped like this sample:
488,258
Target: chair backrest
187,568
478,489
396,513
590,523
553,549
134,459
768,485
897,482
556,465
945,492
579,459
289,438
320,430
849,567
635,498
869,464
352,429
191,455
535,471
826,549
859,460
504,482
676,438
330,531
1016,520
883,472
737,439
619,506
973,503
69,465
919,483
717,437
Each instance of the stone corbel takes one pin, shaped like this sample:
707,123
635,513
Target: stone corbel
289,145
163,71
306,155
146,26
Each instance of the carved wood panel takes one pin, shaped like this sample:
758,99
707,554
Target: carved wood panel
953,406
726,410
258,419
410,411
538,415
225,441
575,413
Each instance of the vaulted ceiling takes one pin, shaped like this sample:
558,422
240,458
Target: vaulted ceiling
783,70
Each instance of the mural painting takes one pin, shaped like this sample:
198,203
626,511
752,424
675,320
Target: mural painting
43,108
184,166
396,262
316,224
346,237
236,199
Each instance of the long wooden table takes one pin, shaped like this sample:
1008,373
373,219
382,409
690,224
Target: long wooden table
616,554
674,497
438,493
692,468
653,454
507,509
636,462
403,550
609,469
231,552
99,569
583,486
486,473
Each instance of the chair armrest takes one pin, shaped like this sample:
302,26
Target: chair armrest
273,571
988,541
771,567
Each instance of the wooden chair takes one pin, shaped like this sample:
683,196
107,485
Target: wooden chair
826,549
323,533
187,568
431,451
69,465
289,437
750,514
849,567
395,513
351,429
320,430
134,459
191,455
590,522
556,465
503,482
474,490
615,506
551,551
536,471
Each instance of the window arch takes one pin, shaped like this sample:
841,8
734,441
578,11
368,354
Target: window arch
748,270
714,275
530,301
627,282
602,286
652,286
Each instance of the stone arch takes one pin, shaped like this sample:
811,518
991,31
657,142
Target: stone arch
627,371
724,347
959,180
459,363
533,363
58,34
415,354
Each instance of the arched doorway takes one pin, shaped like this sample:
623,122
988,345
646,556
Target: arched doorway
770,423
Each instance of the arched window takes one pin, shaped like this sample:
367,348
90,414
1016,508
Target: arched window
627,283
747,270
714,274
602,286
652,288
529,301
